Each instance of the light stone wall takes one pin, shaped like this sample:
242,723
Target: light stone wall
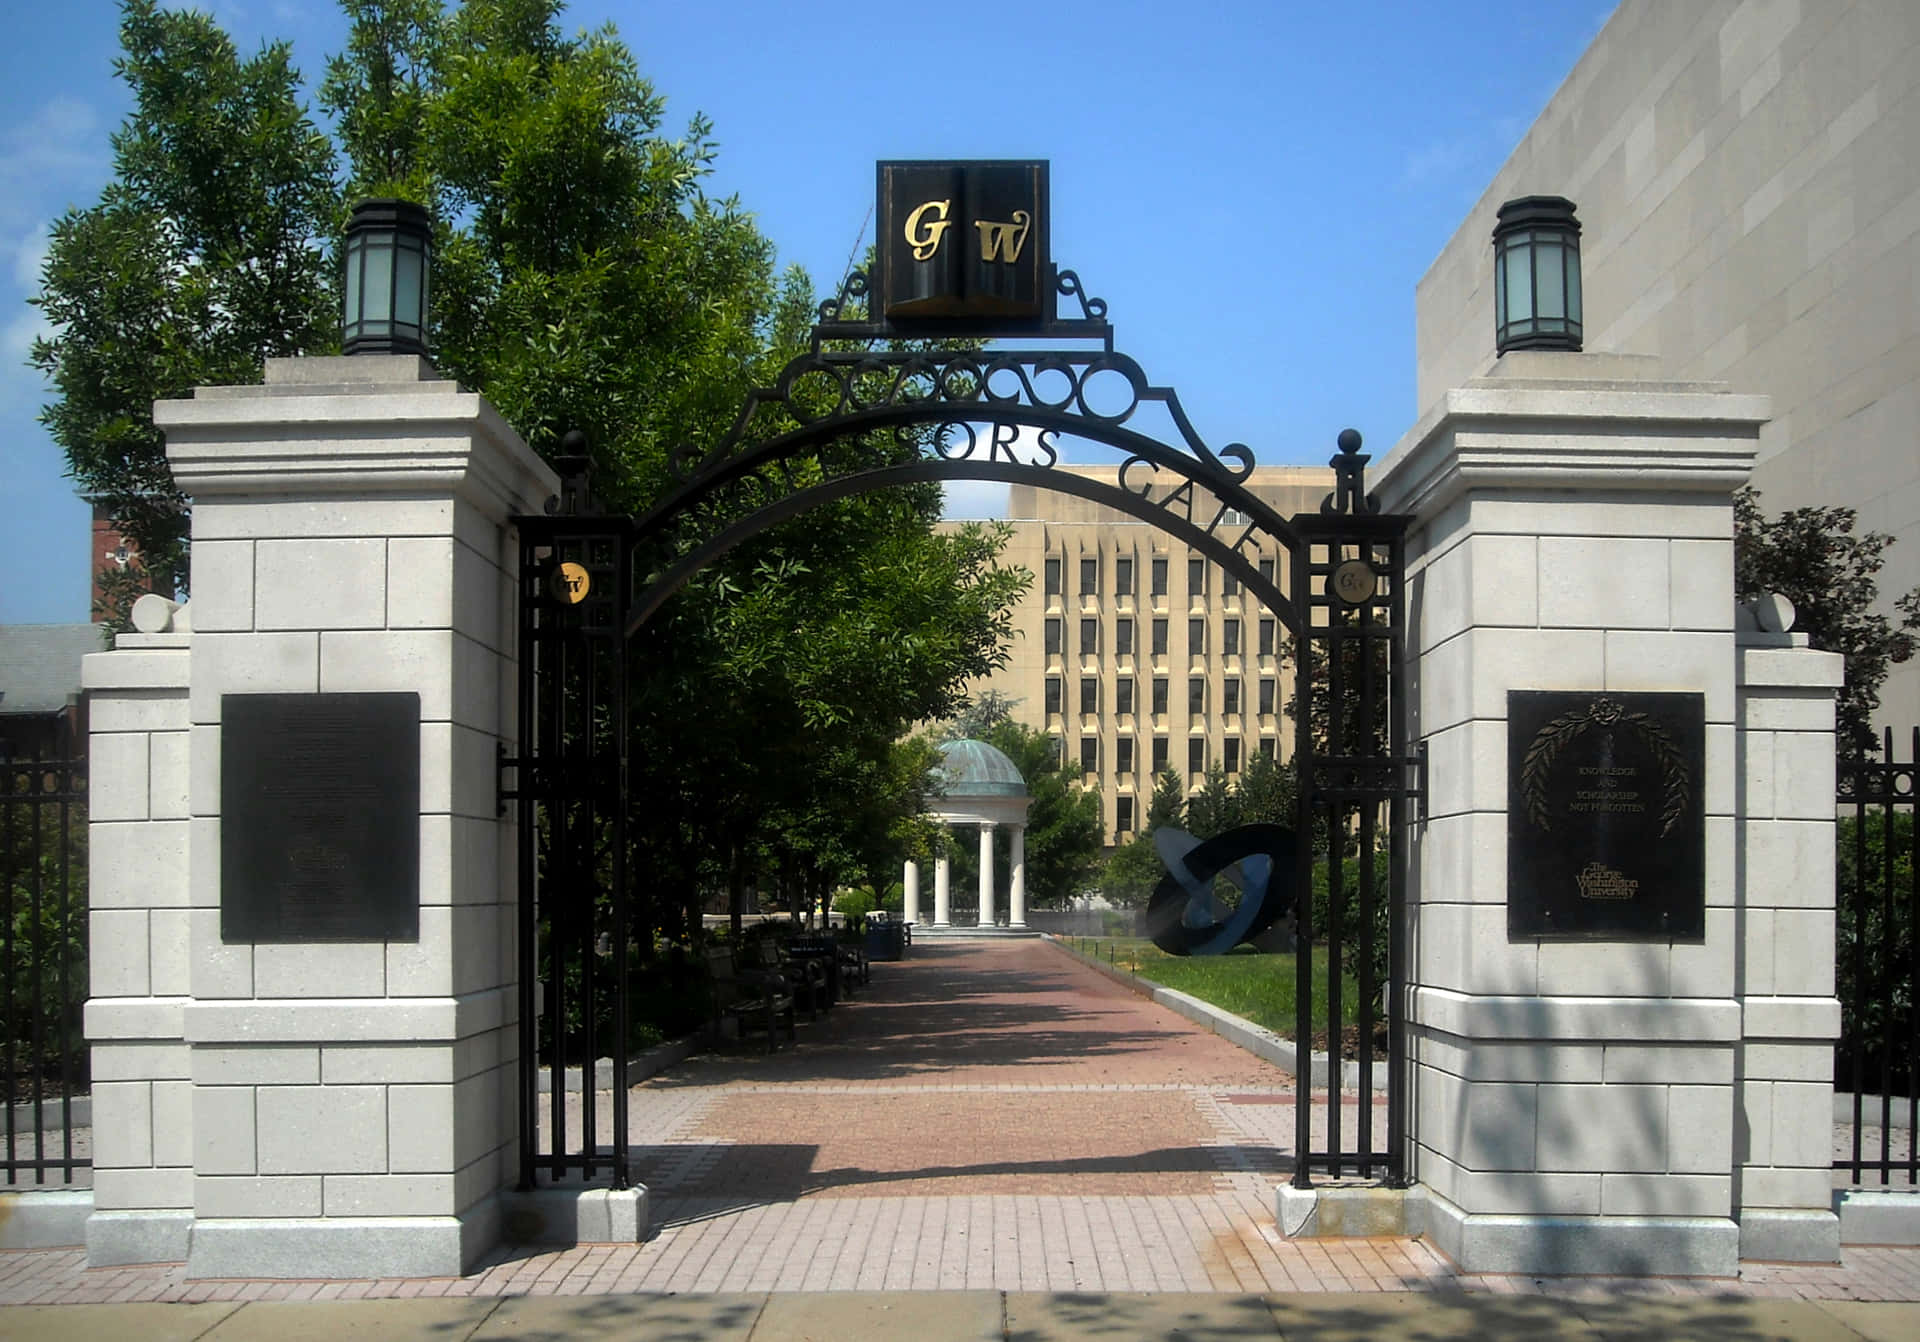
1750,203
139,897
1573,1102
336,1108
1783,1129
1067,529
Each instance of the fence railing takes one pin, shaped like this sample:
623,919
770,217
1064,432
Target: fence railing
1878,967
43,969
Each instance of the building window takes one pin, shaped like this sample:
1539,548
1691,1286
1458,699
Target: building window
1057,747
1232,749
1159,638
1123,575
1089,576
1266,570
1123,815
1229,585
1160,577
1266,694
1197,695
1089,636
1197,638
1230,695
1159,754
1160,694
1196,576
1123,755
1266,638
1268,746
1053,694
1089,754
1089,695
1123,695
1053,638
1196,754
1053,577
1123,638
1230,637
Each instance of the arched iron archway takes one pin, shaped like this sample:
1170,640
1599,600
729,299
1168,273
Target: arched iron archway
863,420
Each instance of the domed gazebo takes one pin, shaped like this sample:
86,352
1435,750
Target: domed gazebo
979,786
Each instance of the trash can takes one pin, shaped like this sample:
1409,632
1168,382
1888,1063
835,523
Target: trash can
886,941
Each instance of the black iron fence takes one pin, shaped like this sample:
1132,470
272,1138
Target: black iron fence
1878,967
43,967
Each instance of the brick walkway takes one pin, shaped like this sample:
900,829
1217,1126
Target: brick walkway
986,1116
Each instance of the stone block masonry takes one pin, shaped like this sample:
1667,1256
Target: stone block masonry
335,1108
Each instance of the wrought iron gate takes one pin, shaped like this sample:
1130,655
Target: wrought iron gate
43,958
1878,962
861,418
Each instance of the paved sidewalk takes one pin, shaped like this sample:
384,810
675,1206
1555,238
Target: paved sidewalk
987,1118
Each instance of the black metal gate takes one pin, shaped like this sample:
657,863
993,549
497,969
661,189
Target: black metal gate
43,958
861,415
1878,963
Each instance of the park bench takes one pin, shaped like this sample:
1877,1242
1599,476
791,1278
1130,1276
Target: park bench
807,979
752,997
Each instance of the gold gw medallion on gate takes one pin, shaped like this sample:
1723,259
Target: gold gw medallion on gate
1354,582
569,583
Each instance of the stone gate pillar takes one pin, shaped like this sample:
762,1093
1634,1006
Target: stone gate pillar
1575,1101
347,1106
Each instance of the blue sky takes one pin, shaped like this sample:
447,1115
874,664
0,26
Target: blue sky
1255,188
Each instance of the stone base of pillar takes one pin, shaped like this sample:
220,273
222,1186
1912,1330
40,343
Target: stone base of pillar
115,1239
574,1213
1668,1246
1789,1235
341,1246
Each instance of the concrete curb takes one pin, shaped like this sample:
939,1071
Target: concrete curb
1255,1039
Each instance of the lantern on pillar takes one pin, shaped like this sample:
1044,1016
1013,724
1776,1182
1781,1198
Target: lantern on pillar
388,242
1536,275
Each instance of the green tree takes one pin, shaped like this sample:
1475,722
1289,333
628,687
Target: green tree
1812,557
205,255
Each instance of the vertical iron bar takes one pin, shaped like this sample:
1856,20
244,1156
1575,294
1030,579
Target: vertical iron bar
1397,917
9,812
559,854
1369,819
622,996
1855,1046
589,895
1913,968
1340,742
1888,842
37,1007
66,782
1299,565
527,748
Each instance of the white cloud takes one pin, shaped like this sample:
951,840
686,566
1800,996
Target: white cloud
61,143
29,255
973,500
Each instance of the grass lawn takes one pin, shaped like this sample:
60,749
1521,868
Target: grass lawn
1247,982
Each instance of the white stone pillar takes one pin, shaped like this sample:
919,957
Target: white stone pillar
140,900
1017,879
910,902
986,875
353,1103
1576,1100
942,894
1783,1188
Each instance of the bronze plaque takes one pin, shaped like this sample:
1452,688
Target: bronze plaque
963,240
320,817
1606,835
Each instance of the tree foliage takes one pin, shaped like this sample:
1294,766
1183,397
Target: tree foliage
1812,557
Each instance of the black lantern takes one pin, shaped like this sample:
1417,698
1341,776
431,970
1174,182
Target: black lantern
1536,275
386,288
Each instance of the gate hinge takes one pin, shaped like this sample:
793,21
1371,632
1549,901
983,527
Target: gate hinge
502,761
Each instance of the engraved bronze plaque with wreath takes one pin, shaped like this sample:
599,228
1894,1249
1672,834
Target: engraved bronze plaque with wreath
1606,835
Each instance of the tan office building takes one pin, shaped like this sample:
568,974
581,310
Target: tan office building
1748,187
1136,653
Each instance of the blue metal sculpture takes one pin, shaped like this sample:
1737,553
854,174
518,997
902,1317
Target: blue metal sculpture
1184,918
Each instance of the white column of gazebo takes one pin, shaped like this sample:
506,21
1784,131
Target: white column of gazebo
981,789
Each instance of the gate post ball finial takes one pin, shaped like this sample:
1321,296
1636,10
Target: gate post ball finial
1348,441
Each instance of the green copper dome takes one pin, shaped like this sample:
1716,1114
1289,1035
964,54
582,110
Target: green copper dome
976,769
